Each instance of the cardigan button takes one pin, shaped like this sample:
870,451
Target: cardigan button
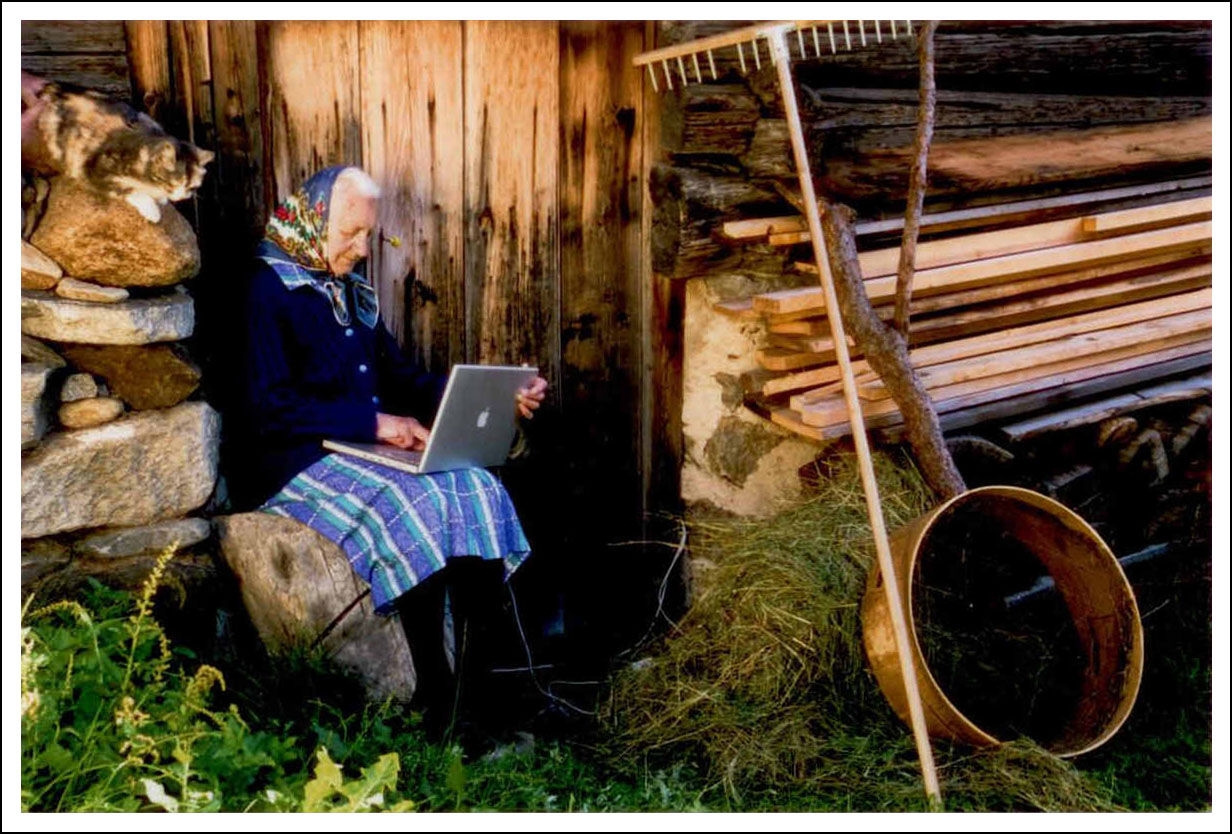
350,331
376,400
363,369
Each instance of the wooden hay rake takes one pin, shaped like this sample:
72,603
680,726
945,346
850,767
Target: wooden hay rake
834,34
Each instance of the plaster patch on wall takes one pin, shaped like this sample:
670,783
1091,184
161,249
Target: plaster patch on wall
733,458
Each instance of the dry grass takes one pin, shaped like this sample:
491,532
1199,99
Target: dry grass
764,685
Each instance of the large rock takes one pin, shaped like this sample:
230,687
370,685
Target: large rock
82,414
144,376
148,540
295,581
108,241
37,403
137,321
147,467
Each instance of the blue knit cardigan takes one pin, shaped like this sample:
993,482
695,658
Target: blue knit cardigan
307,378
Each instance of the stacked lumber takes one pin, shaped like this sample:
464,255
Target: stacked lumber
1080,303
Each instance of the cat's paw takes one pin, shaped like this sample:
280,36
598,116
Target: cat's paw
146,205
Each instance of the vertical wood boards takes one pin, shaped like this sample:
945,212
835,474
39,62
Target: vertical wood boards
190,69
239,164
411,83
600,240
512,133
311,116
663,302
149,63
514,161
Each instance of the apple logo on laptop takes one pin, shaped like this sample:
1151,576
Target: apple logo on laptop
483,418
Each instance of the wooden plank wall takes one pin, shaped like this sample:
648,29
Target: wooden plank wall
513,160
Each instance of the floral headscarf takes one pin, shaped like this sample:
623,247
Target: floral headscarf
295,245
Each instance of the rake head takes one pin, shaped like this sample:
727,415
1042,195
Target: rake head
822,36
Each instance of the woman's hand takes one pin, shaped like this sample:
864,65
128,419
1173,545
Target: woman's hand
403,432
531,397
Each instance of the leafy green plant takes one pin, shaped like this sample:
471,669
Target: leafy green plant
113,720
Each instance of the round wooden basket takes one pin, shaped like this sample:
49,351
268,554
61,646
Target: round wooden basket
1089,579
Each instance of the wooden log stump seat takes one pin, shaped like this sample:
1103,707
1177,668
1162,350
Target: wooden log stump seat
295,582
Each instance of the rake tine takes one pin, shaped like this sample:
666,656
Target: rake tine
714,76
830,30
756,55
893,30
667,73
847,35
863,40
800,41
697,69
654,82
684,76
743,68
816,43
877,26
908,28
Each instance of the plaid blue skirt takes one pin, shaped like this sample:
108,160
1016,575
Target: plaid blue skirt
396,528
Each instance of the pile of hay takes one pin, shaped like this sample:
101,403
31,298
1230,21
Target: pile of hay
763,684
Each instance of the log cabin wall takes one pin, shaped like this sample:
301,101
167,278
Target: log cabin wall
725,156
513,158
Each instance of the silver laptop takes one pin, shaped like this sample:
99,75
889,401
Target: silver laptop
474,424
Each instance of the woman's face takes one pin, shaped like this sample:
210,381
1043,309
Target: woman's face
352,217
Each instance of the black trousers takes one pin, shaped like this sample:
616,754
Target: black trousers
475,589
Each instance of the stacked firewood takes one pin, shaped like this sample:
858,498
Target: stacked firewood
1110,297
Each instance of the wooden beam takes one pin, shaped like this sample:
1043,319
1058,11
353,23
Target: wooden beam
1187,275
1030,160
1060,387
1080,344
1037,236
1038,398
1187,210
1021,337
1057,337
1081,415
832,411
1052,305
1004,268
769,229
740,308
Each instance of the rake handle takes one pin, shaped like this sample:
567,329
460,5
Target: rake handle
872,498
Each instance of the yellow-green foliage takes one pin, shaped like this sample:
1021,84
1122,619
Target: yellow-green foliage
110,722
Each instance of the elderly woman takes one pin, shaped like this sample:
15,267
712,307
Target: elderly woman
321,365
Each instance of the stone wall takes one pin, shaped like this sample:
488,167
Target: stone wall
116,456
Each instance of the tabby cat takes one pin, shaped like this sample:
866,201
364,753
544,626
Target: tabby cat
106,144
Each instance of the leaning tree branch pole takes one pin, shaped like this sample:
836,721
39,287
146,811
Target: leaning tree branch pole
885,350
918,178
881,540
